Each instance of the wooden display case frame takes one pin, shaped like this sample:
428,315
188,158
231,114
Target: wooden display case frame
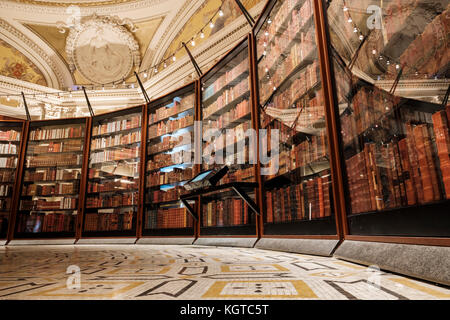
21,169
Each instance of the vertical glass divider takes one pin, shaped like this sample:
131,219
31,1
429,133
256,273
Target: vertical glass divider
331,121
255,123
142,171
83,182
18,185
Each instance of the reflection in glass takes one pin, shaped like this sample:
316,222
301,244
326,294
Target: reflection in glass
391,63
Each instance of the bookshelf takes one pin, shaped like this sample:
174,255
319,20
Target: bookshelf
112,189
10,143
395,142
297,182
169,163
227,120
49,194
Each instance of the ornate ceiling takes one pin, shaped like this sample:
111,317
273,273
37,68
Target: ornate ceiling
60,44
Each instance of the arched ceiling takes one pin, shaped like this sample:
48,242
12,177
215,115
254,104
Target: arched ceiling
34,50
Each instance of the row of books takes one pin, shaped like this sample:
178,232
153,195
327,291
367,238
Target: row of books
7,176
52,189
176,175
73,131
116,140
178,105
118,125
9,148
117,200
39,222
65,146
113,155
174,218
428,52
166,127
167,143
162,160
54,160
228,95
241,175
5,190
132,170
403,172
297,18
10,162
9,135
63,203
369,106
304,201
227,138
235,116
226,78
304,115
298,53
5,204
172,194
303,82
51,175
108,221
113,185
228,212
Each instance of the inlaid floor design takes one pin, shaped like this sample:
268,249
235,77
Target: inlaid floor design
192,273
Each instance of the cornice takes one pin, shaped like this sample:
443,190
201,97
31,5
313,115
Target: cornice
58,10
173,27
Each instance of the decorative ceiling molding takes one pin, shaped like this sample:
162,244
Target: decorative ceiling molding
102,49
51,65
65,3
171,29
46,10
213,48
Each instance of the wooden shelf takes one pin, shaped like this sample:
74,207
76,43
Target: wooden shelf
108,134
207,101
119,146
227,107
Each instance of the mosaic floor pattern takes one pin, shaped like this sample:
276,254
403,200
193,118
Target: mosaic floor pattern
192,273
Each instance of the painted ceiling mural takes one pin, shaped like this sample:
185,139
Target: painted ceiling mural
57,40
16,65
201,17
86,72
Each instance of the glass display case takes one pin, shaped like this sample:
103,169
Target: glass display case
50,188
391,72
229,139
10,139
296,164
113,174
169,163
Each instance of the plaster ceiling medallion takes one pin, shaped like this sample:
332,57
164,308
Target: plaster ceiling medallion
102,49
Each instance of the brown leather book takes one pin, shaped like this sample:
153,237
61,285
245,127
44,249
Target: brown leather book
425,174
414,161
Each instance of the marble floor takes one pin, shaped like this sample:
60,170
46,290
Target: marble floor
189,272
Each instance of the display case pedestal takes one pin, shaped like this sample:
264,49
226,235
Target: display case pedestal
166,240
30,242
320,247
420,261
245,242
107,241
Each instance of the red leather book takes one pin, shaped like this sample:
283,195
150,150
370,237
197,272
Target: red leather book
425,174
441,131
431,162
320,197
